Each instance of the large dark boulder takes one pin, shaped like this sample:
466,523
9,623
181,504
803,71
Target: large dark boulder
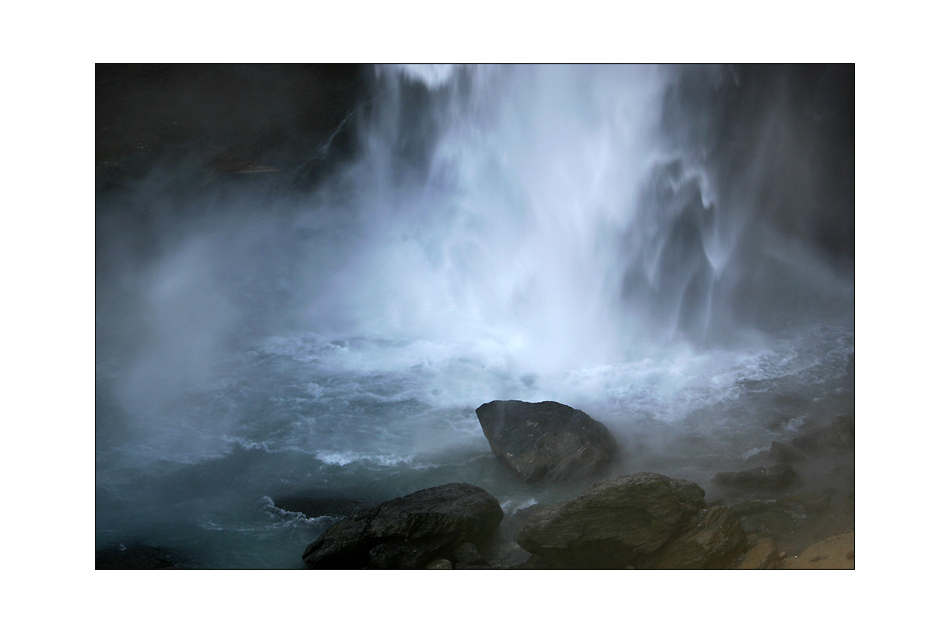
614,524
546,441
774,477
408,532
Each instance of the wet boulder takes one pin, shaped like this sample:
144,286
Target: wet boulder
774,477
467,556
408,532
765,516
714,542
546,441
616,523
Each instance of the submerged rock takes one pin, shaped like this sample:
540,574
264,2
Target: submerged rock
614,524
774,477
408,532
546,441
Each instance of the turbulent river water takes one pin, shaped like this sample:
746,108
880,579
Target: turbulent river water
649,245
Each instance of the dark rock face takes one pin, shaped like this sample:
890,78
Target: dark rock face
785,453
233,116
774,477
136,557
546,441
408,532
715,541
614,524
467,556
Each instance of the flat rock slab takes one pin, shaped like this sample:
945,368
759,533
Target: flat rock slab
408,532
546,441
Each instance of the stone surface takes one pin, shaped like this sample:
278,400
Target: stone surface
546,441
773,477
775,521
715,542
613,524
836,552
408,532
785,453
753,506
467,556
763,555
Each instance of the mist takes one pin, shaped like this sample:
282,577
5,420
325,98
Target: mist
311,277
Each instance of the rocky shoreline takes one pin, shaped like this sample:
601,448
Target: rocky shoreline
763,517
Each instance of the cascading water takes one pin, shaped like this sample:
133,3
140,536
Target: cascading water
637,242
